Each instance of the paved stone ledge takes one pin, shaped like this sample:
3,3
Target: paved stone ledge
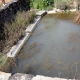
39,77
31,27
4,76
41,13
16,48
58,10
22,76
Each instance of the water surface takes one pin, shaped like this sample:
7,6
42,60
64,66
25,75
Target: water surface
52,50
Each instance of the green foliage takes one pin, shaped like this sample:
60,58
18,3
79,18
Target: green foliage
63,4
41,4
0,4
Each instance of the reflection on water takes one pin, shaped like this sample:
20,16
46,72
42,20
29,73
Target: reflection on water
52,50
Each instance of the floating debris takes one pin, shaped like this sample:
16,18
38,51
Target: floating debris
74,36
71,48
33,45
27,68
37,32
47,66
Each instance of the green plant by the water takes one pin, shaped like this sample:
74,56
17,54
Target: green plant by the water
41,4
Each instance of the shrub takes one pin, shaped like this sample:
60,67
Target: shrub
41,4
15,30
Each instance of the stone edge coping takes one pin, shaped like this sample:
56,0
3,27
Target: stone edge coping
41,77
4,76
16,48
31,27
23,76
41,13
58,10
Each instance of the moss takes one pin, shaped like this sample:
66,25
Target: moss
4,65
2,59
0,62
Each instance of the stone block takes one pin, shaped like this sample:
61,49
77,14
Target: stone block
31,27
39,77
20,76
4,76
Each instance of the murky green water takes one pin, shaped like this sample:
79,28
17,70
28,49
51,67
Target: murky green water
52,50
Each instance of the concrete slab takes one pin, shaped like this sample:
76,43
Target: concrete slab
39,77
16,48
73,10
58,10
52,12
21,76
4,76
31,27
41,13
